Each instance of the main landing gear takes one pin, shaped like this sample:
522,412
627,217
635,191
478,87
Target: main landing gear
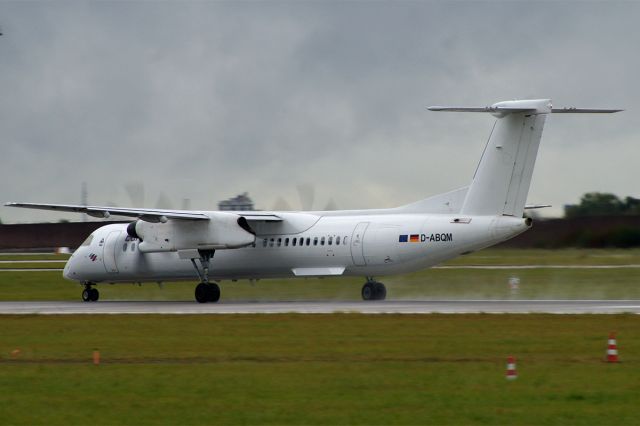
373,290
90,294
205,291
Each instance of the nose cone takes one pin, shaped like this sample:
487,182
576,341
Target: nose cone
69,271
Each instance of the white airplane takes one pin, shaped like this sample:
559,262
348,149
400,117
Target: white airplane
162,245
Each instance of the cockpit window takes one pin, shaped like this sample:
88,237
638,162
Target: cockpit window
87,242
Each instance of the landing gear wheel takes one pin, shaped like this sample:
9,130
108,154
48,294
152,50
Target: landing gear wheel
213,292
94,294
380,291
86,295
373,290
368,291
202,293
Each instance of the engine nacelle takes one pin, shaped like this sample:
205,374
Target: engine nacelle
223,231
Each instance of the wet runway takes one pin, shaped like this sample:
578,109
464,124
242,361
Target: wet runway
327,307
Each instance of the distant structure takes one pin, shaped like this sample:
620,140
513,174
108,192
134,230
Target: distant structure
241,202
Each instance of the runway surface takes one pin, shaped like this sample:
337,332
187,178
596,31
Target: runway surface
489,267
327,307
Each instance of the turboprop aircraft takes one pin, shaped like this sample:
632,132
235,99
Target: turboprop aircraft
162,245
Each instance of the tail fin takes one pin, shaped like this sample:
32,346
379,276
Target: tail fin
501,182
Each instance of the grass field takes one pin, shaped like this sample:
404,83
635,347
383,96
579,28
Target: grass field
545,283
318,369
330,369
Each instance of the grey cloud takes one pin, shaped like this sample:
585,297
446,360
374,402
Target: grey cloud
205,100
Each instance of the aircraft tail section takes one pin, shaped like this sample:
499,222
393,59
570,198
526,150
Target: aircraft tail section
501,182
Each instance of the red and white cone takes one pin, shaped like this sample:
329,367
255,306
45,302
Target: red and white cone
511,369
612,348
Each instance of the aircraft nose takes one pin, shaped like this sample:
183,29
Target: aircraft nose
69,271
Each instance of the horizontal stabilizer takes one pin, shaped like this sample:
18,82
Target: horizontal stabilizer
526,106
536,206
572,110
490,109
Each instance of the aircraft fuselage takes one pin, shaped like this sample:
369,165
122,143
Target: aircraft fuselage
361,245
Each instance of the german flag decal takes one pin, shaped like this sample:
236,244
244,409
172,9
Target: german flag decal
413,238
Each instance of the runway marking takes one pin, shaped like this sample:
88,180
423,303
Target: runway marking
327,307
31,270
33,261
538,267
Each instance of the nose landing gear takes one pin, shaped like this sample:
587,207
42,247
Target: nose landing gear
373,290
90,294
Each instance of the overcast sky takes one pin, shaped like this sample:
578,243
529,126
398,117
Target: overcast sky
205,100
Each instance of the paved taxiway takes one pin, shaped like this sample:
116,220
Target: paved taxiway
326,307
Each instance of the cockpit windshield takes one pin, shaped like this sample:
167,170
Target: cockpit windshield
87,242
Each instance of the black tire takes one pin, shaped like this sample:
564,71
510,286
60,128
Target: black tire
368,292
86,295
94,294
213,292
202,293
381,291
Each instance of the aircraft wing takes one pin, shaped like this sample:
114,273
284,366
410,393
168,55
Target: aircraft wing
105,211
148,215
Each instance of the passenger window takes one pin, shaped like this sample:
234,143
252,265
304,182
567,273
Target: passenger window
293,243
338,241
279,242
124,247
315,241
330,240
286,242
308,241
271,242
264,242
344,241
133,246
322,241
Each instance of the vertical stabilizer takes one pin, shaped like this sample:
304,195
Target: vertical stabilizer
502,179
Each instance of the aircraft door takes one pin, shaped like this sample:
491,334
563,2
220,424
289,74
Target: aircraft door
381,244
357,244
109,251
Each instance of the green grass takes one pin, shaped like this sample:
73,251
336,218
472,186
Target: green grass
550,257
318,369
39,256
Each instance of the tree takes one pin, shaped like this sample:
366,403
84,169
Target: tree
601,204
